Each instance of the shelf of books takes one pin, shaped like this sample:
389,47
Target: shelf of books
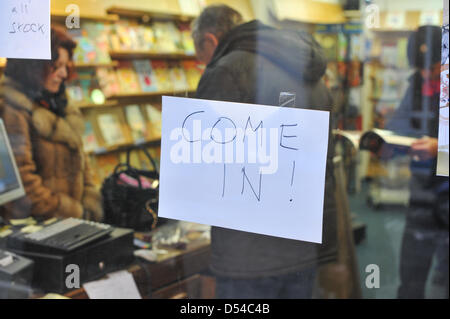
61,16
146,16
123,68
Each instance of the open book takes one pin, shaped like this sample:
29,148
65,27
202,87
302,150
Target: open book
377,141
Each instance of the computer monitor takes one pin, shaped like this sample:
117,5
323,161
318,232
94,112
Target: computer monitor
11,186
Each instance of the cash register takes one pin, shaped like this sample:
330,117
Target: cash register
38,252
15,270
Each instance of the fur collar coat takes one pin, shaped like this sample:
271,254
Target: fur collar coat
50,158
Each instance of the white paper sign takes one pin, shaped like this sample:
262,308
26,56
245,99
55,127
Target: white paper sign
118,285
247,167
25,29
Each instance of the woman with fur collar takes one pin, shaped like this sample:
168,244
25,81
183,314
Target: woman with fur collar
46,137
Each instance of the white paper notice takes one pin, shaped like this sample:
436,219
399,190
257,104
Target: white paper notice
247,167
118,285
25,29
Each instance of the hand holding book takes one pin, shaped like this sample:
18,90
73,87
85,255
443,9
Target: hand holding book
425,148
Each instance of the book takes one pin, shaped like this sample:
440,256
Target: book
186,39
75,92
193,71
136,123
178,78
154,119
111,129
145,37
108,81
383,143
91,90
128,79
89,138
92,43
85,51
162,75
168,37
146,76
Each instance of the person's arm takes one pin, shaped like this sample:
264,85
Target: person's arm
425,148
39,199
91,200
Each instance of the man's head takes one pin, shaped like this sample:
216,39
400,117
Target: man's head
210,27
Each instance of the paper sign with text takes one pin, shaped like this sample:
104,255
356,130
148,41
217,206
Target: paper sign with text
25,29
248,167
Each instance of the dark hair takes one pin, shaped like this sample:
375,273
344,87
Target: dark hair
424,47
216,19
31,74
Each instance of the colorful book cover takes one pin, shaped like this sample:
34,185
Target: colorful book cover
154,118
89,138
126,42
75,92
186,39
111,129
178,78
145,37
128,79
162,74
193,71
90,87
85,51
97,32
147,78
136,123
168,38
87,83
108,81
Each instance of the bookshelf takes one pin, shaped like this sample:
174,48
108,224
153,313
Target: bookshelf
81,66
61,16
147,16
104,151
107,103
150,55
124,147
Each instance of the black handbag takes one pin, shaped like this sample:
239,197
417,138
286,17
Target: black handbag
131,205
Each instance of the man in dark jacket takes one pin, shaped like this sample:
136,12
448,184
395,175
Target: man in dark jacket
254,63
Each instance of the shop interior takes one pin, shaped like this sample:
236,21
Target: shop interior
131,53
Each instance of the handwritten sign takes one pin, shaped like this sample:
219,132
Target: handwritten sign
247,167
25,29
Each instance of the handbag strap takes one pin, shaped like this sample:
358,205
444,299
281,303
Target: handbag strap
140,147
